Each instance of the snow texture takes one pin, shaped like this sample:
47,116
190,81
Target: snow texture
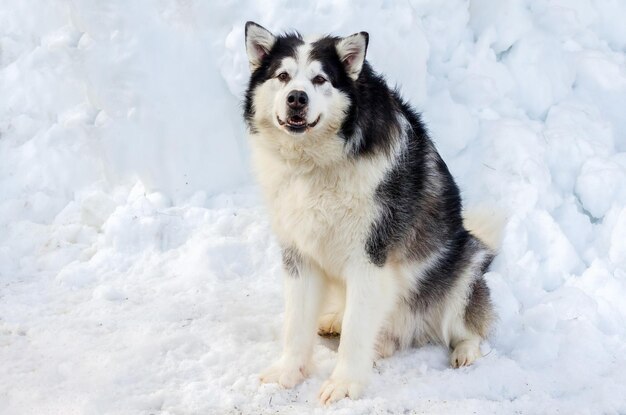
138,273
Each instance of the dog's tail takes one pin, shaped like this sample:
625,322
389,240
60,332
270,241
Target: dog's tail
485,223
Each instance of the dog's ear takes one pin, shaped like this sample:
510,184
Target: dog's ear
259,42
351,51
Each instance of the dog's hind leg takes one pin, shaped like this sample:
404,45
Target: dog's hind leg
329,323
464,318
471,326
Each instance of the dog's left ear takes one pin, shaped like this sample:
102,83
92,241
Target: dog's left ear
259,42
351,51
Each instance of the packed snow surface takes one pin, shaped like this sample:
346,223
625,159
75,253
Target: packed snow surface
138,273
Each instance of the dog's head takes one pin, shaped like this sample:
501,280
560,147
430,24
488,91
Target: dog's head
298,87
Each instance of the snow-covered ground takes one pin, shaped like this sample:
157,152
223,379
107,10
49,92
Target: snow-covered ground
138,274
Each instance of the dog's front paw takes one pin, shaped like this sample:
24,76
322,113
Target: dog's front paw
336,389
286,375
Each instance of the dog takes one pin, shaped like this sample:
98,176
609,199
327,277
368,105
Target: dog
366,212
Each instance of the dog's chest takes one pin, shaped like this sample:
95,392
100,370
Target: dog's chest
326,214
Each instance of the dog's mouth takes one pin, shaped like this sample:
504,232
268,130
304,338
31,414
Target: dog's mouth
297,123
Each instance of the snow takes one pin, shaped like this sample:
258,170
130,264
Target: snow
138,273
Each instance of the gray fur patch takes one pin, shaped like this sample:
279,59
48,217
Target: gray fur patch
479,313
292,260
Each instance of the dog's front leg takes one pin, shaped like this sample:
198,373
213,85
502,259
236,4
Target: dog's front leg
303,293
370,296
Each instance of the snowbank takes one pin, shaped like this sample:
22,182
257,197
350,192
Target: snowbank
137,270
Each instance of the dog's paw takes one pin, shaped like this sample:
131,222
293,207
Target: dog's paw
335,389
286,375
464,354
329,324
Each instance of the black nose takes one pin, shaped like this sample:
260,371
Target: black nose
297,99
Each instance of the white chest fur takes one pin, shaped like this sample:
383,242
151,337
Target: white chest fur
326,213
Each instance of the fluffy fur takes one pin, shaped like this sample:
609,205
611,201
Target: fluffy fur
367,213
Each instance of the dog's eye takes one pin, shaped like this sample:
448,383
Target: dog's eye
318,80
283,76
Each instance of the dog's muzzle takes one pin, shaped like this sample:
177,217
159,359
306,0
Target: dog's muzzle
296,121
297,107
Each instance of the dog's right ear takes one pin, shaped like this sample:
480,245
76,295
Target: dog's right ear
259,42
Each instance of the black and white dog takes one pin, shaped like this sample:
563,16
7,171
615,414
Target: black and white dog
367,214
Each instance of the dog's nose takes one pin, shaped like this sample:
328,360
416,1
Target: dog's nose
297,99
